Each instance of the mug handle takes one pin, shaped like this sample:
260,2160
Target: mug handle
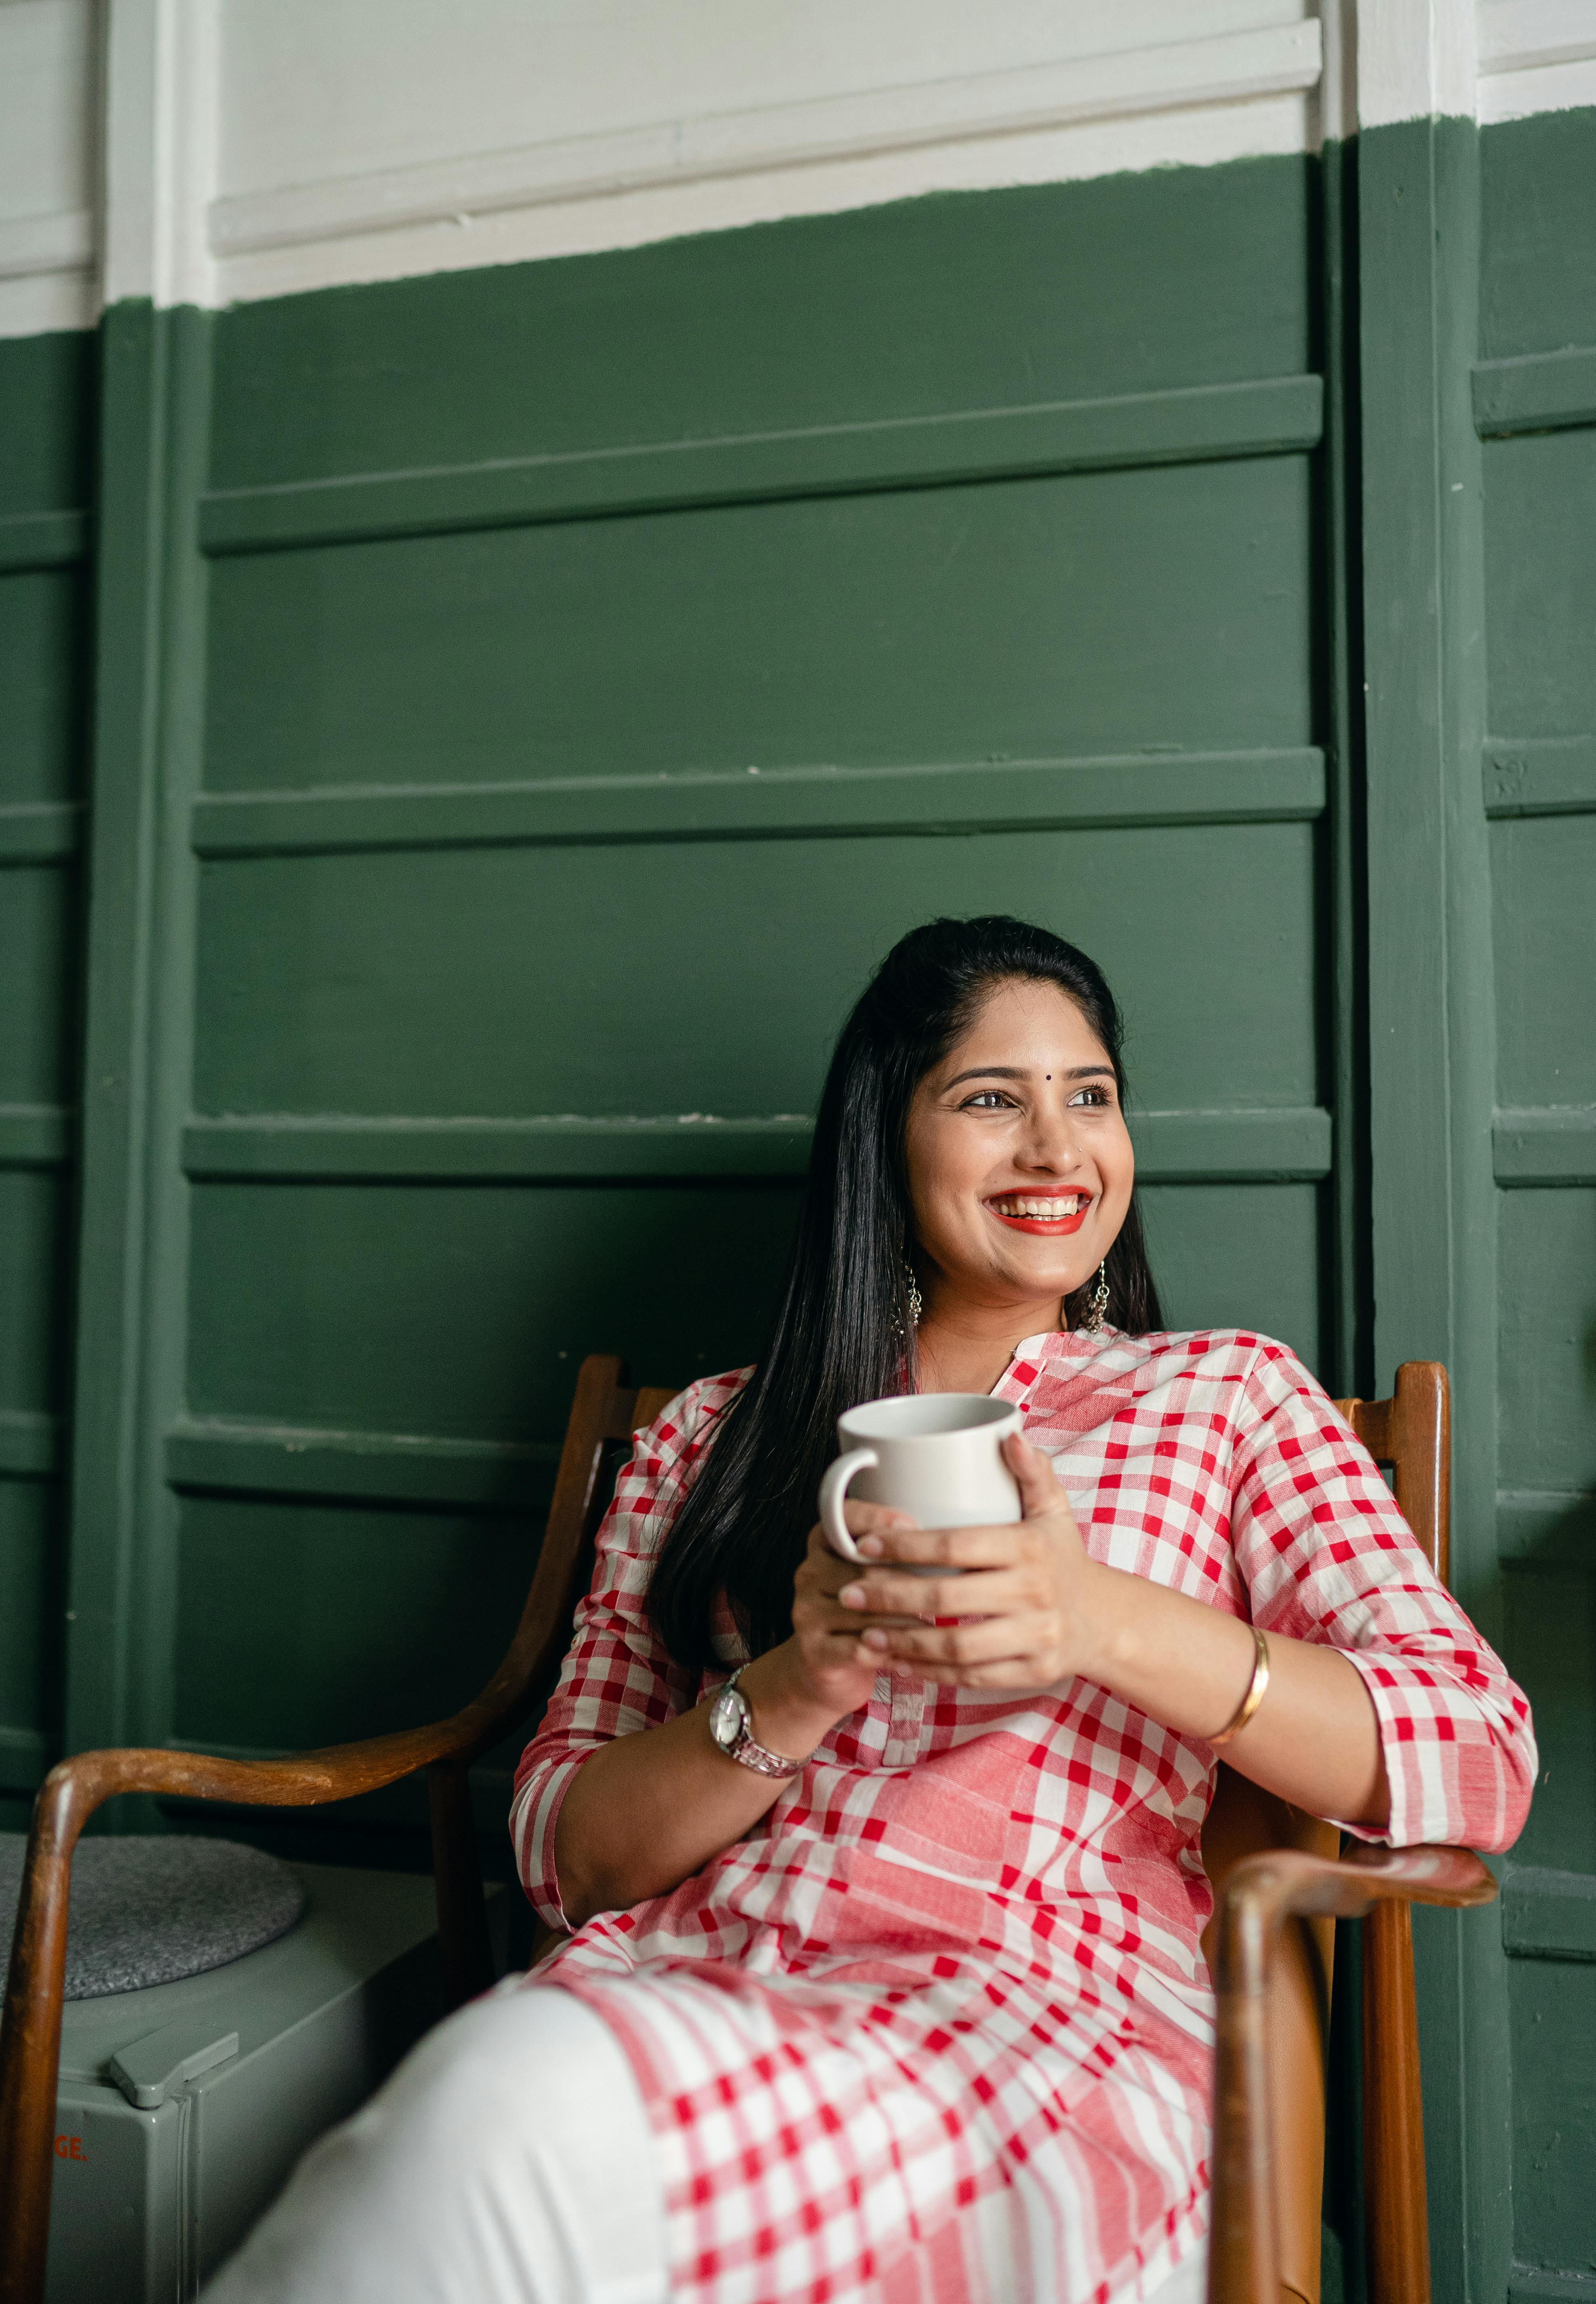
832,1488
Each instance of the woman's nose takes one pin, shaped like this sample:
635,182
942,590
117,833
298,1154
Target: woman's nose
1051,1143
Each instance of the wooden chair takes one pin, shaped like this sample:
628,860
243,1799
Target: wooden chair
1266,1961
1278,1887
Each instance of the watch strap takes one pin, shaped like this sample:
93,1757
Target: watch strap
750,1754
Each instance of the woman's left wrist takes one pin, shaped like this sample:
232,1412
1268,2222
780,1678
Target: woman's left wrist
1109,1598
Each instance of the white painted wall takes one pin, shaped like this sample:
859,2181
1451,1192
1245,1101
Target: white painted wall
205,150
49,157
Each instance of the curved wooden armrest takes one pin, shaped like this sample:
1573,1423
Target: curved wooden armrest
1261,1893
30,2035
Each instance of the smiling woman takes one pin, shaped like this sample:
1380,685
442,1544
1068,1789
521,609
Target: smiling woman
883,1881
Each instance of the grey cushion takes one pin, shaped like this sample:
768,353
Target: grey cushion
151,1910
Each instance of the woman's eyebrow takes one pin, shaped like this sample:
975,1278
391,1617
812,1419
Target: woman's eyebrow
1021,1072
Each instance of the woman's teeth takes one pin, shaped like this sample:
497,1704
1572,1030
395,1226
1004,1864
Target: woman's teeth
1049,1211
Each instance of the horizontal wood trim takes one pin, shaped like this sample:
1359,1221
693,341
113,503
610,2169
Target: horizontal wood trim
36,1135
1555,1145
339,1147
25,1755
40,831
1273,416
1546,1528
1549,1915
32,1444
1526,2286
1223,68
42,539
1119,789
251,1459
1548,775
1287,1144
1540,392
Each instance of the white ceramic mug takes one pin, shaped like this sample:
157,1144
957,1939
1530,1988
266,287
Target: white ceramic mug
935,1455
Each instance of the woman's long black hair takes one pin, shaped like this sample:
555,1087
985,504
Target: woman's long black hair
840,1331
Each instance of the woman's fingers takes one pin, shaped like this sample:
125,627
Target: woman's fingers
947,1547
993,1592
1032,1640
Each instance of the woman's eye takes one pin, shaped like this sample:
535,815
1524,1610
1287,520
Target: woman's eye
1098,1096
987,1099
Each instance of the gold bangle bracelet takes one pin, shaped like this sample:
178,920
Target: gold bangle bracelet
1254,1698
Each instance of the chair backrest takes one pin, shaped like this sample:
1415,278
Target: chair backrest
1409,1432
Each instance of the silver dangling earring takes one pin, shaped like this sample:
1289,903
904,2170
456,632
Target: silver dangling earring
1097,1303
915,1303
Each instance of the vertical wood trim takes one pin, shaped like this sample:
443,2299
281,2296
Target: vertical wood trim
1431,1023
1350,1344
131,1266
118,905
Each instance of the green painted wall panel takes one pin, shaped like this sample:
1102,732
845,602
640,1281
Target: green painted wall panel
1550,1634
31,1579
47,412
1548,1341
34,1284
48,394
44,682
1544,887
1130,284
1244,1255
303,1627
1554,2125
1092,613
39,932
1540,577
1538,186
712,976
466,1308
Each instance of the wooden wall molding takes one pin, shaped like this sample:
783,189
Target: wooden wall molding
1531,2287
238,1456
1553,1146
1280,1145
24,1755
1268,416
1539,775
1135,788
36,1135
40,831
1537,392
1545,1528
1547,1915
42,539
31,1445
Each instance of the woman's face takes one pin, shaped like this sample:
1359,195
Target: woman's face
1020,1161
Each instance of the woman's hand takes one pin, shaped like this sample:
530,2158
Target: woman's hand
1034,1607
825,1667
1022,1601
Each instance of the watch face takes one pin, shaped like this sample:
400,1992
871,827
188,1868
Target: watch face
726,1718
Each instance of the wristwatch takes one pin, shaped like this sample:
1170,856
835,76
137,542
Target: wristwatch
731,1724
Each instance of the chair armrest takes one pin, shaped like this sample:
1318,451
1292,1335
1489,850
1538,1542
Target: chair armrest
30,2027
1263,1893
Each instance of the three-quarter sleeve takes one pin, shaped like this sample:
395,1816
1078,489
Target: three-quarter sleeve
618,1676
1327,1556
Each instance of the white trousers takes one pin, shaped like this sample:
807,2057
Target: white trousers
509,2160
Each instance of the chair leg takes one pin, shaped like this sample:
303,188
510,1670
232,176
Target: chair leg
457,1875
1397,2210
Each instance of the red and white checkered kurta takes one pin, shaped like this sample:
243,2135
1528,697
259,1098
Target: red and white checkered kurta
937,2030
